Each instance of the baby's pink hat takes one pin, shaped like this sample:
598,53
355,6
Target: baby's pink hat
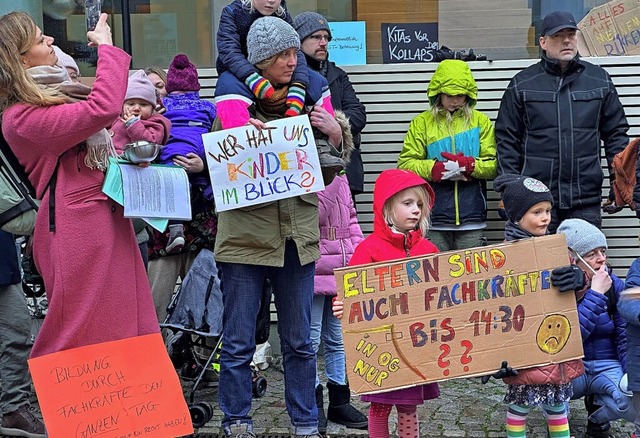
141,87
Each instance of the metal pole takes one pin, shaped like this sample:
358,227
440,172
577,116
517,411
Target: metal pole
126,26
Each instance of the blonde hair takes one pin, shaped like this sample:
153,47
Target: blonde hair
421,194
263,65
440,113
280,12
17,34
158,71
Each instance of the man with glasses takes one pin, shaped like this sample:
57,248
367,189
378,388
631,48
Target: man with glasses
315,35
314,38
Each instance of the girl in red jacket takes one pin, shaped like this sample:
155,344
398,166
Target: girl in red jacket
402,203
528,203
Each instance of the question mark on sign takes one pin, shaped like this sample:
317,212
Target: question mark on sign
442,363
465,358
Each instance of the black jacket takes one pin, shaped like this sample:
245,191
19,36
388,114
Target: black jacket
9,269
343,98
235,22
551,124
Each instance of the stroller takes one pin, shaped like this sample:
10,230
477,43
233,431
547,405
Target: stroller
194,320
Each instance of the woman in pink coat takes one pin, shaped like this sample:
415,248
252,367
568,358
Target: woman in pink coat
84,248
339,235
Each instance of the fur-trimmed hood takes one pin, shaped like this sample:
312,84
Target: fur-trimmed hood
347,136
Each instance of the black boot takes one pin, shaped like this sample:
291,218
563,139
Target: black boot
322,419
595,430
340,409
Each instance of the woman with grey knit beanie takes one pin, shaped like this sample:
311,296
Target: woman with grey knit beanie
276,240
603,330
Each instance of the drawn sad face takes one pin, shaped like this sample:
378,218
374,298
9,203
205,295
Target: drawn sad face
553,333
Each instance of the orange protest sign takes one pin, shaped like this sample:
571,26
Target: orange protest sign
119,389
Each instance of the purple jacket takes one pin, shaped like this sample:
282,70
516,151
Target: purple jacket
190,117
339,233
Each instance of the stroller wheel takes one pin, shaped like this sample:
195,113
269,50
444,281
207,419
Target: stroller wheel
199,415
259,387
208,407
190,371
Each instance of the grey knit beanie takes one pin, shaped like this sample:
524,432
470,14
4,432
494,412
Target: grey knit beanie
582,236
307,23
520,193
269,36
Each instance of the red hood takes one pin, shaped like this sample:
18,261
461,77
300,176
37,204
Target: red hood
389,183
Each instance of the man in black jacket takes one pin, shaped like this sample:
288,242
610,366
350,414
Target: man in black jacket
314,39
315,35
553,118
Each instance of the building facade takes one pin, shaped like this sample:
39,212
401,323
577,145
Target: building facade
153,31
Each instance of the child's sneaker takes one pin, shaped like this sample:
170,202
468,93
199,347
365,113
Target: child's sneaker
176,239
330,159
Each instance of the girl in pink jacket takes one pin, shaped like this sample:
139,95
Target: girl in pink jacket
340,233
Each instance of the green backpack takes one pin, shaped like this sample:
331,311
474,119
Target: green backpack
18,205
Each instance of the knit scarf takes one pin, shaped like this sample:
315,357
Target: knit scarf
513,231
277,103
99,146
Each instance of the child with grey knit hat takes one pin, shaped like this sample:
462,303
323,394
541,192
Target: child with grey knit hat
603,329
268,37
234,67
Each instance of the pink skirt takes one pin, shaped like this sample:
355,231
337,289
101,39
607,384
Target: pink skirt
406,396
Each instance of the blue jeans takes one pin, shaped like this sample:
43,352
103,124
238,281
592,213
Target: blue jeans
326,327
602,378
241,293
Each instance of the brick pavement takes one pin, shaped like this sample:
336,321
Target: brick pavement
466,408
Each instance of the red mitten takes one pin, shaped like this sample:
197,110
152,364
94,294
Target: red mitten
469,163
437,171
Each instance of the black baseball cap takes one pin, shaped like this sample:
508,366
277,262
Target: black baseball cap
554,22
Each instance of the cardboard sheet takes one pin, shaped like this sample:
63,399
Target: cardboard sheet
457,314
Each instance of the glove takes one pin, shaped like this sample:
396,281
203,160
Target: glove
568,278
504,371
259,86
452,170
295,99
437,171
469,163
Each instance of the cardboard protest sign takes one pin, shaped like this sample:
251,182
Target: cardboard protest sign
408,42
119,389
249,166
611,29
456,314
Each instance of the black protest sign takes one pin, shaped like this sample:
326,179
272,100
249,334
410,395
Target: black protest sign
409,42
